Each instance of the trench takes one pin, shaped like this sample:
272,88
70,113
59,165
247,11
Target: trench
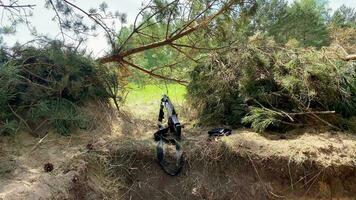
214,171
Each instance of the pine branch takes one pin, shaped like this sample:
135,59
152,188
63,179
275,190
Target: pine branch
182,82
168,41
17,6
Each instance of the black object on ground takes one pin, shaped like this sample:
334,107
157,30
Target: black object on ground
219,132
48,167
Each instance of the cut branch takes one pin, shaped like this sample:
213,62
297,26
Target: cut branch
350,57
182,82
20,118
315,112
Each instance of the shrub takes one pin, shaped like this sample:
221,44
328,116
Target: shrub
213,90
47,86
274,86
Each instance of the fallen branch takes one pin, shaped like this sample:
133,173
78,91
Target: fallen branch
20,118
38,143
315,112
350,57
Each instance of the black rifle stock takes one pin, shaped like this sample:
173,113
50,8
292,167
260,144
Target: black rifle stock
173,122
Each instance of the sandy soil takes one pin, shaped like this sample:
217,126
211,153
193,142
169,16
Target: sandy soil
326,148
22,157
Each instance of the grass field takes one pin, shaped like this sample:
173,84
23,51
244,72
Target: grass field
144,101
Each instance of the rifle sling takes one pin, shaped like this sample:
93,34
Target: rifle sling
161,136
170,168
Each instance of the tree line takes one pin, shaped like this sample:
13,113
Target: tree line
246,56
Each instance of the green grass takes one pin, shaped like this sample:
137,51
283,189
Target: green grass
150,93
144,101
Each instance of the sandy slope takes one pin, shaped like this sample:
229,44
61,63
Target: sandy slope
22,157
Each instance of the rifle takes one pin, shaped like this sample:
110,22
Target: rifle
169,135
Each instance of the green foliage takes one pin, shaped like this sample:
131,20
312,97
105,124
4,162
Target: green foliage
344,17
349,124
276,86
8,81
153,93
303,20
213,90
167,61
306,22
261,119
109,77
268,14
144,100
49,85
164,20
9,127
61,113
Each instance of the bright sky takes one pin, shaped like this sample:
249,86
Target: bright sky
42,19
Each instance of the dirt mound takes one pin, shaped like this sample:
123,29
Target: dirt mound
245,165
22,160
120,163
24,177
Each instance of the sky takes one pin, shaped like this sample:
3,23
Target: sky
98,45
42,20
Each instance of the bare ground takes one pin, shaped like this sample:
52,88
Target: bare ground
308,164
245,165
